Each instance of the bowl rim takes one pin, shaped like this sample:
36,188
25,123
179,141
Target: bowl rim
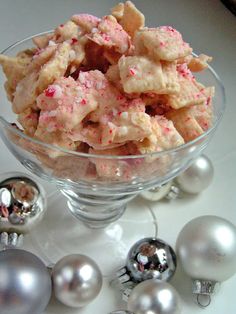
80,154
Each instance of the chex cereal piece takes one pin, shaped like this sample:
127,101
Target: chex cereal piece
29,121
135,127
25,94
35,82
110,34
199,63
203,113
86,22
65,31
190,93
139,74
117,11
170,78
64,105
15,70
41,57
132,19
55,67
162,43
185,123
166,135
42,40
106,95
113,75
111,168
68,167
77,53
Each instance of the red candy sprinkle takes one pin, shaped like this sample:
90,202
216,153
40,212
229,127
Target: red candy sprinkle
50,91
120,97
132,71
83,101
74,40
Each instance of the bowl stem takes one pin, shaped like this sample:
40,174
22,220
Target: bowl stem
96,211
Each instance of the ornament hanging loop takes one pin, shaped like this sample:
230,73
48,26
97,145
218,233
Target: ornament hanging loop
206,297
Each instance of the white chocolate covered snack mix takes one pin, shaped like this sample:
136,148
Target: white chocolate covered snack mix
108,86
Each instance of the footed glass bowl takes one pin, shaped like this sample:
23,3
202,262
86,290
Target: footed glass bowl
98,198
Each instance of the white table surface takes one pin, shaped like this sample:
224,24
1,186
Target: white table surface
210,28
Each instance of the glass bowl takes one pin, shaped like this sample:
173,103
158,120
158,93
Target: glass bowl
99,197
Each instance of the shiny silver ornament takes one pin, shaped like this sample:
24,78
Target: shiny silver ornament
157,193
147,259
156,297
206,247
197,177
25,284
22,203
77,280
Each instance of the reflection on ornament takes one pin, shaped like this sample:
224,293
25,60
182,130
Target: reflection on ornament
154,296
206,247
192,181
147,259
22,203
77,280
25,283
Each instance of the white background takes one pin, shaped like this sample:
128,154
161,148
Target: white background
210,28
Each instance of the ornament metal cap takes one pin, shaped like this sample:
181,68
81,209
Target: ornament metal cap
10,240
205,288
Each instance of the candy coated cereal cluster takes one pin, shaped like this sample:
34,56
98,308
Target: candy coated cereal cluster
110,86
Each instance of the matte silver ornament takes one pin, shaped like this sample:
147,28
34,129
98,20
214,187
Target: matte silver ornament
22,203
206,247
197,177
25,284
192,181
77,280
147,259
155,297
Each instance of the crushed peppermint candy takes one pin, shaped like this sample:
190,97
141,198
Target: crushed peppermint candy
72,55
124,115
74,41
123,131
132,71
51,43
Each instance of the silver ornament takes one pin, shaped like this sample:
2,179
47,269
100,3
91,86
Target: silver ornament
206,247
77,280
193,180
156,297
147,259
22,203
25,284
157,193
197,177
